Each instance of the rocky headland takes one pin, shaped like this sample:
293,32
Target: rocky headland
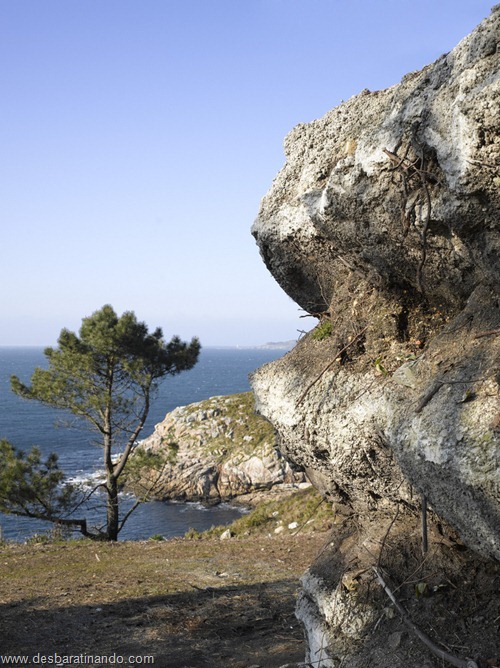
384,225
211,451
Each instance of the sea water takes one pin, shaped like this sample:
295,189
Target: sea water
219,371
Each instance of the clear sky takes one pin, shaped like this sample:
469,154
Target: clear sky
137,138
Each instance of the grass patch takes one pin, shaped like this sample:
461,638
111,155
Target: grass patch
305,510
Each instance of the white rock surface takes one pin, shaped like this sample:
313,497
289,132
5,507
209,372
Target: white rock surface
384,224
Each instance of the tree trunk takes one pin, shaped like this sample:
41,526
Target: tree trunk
111,478
112,508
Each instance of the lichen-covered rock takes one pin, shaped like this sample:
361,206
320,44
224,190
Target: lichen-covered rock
384,224
210,451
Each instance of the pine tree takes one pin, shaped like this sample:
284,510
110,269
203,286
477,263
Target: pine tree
108,375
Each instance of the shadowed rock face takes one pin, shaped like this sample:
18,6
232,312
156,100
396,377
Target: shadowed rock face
384,224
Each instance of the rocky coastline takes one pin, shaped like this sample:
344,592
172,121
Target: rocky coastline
212,451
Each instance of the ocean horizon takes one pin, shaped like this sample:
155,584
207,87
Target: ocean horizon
221,370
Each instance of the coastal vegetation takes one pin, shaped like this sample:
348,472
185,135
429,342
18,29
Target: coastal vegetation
107,375
302,511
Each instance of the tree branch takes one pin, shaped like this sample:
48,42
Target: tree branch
117,470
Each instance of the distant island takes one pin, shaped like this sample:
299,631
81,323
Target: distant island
277,345
271,345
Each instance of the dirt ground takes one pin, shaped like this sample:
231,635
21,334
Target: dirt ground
188,604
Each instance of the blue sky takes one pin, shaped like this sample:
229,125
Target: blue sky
138,137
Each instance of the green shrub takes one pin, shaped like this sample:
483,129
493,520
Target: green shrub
303,506
192,534
323,330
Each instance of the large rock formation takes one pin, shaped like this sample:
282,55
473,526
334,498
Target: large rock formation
210,451
384,224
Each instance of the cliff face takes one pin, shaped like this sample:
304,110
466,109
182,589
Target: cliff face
384,224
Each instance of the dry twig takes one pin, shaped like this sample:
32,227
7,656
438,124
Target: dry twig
430,644
491,332
408,170
386,535
425,544
428,396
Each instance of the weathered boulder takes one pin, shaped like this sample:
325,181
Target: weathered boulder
400,187
210,451
384,224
